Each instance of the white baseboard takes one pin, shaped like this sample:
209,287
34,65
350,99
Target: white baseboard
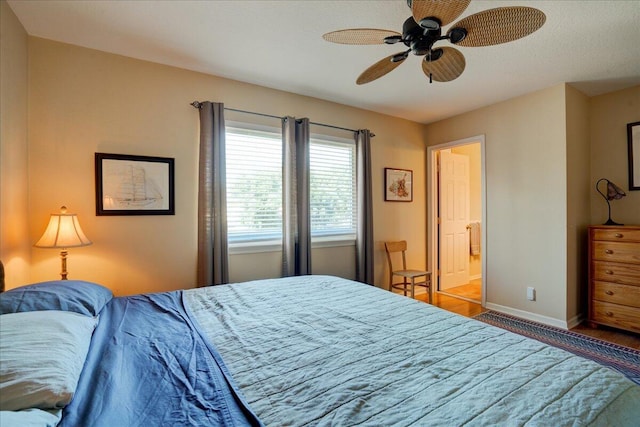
562,324
475,276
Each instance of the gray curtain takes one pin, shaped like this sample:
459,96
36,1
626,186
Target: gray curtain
296,232
364,234
213,256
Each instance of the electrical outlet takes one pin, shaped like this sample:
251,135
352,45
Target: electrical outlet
531,293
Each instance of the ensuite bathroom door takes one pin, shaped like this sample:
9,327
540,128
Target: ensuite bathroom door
454,200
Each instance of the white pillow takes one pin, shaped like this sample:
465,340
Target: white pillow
30,418
41,356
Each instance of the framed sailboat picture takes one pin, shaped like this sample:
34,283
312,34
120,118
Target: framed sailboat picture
134,185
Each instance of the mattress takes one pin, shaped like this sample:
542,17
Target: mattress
320,350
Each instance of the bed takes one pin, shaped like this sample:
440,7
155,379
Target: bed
310,350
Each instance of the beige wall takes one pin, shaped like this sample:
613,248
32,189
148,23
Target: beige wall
14,211
526,196
609,116
578,191
84,101
544,153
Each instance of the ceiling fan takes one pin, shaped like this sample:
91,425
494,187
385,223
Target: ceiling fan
423,30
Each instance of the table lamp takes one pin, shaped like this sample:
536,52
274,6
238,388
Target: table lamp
613,193
63,232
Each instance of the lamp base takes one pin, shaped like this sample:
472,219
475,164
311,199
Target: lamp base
610,222
63,258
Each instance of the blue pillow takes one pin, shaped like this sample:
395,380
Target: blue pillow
67,295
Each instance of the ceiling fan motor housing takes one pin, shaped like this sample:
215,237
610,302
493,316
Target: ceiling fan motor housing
418,39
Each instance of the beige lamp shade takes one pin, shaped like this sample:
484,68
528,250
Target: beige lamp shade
63,231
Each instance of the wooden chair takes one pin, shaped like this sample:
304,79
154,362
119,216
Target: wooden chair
408,276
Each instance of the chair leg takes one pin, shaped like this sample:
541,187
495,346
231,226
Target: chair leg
404,285
413,288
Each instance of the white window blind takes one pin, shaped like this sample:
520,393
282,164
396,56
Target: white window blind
333,188
254,185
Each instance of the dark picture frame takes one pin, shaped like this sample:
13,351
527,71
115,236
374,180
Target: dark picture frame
134,185
398,185
633,141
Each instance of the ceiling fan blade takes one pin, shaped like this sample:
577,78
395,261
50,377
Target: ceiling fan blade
500,25
359,36
445,10
446,68
380,68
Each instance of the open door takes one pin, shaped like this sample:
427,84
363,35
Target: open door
454,219
474,148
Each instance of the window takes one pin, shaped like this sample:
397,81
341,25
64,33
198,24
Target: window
333,188
254,186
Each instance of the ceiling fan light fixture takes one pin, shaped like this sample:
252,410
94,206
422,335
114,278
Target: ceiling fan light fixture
421,46
456,35
431,23
398,57
392,39
433,55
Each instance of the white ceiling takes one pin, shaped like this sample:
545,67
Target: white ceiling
595,45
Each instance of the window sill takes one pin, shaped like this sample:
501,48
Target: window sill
276,245
333,241
255,247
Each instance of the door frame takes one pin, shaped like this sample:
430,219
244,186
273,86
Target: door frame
432,209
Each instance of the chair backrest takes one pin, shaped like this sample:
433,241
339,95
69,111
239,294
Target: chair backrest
391,247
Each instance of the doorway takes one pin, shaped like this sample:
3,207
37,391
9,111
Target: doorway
456,218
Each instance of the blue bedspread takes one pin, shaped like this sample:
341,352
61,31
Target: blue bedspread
148,365
325,351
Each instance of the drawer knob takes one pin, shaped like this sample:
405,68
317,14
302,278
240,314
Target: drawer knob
608,292
608,251
619,235
608,313
608,272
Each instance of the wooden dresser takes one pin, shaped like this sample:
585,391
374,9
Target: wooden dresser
614,276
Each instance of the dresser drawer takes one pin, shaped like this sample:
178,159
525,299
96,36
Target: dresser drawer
626,274
617,294
616,234
616,251
619,316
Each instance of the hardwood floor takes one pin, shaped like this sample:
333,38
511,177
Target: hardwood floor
471,291
453,304
470,309
616,336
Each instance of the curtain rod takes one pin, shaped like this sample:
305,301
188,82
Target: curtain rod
197,104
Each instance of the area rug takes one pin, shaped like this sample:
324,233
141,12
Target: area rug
623,359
